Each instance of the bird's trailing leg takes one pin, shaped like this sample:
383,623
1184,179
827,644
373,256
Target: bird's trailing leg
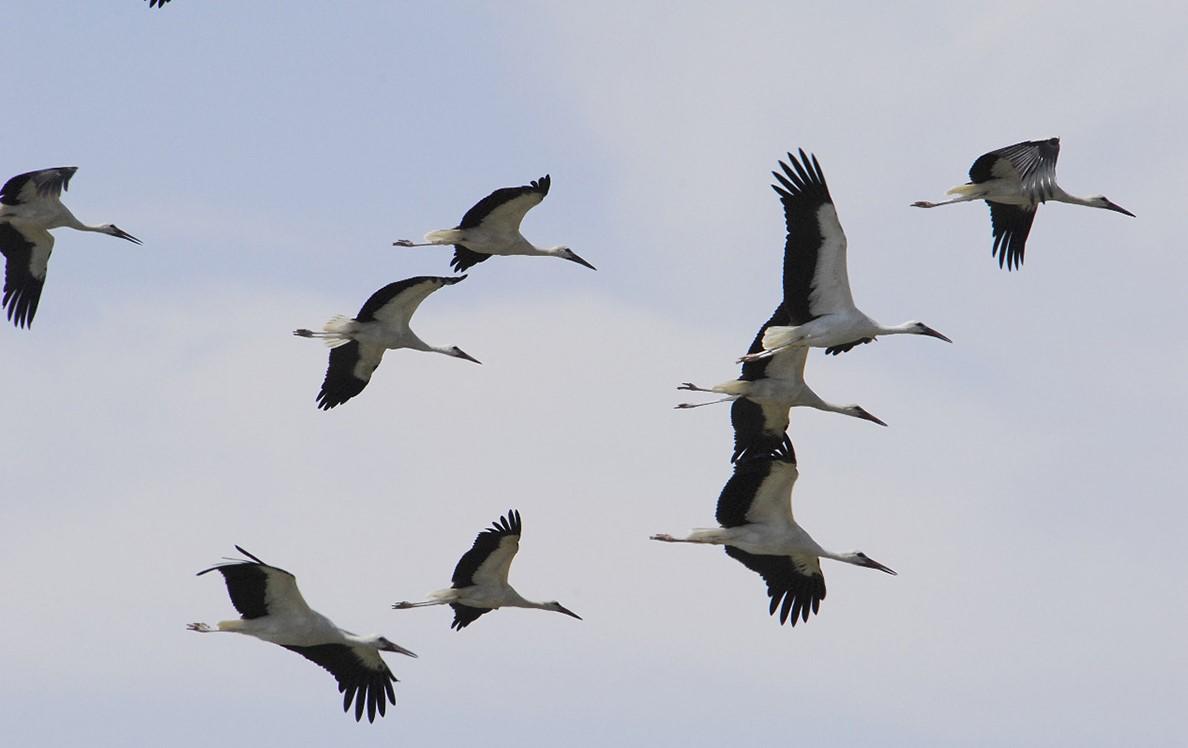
695,388
410,243
666,538
201,628
405,604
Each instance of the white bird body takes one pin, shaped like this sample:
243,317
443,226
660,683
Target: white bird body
274,611
30,206
758,529
1014,181
816,284
492,227
382,324
480,579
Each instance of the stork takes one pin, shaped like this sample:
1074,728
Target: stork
758,530
776,384
358,344
492,227
272,608
157,3
480,583
1014,181
30,206
816,286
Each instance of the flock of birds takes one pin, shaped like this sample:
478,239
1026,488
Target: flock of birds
754,510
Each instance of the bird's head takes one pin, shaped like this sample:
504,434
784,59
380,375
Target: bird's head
558,607
859,412
919,328
858,558
384,644
1101,201
116,231
566,253
457,352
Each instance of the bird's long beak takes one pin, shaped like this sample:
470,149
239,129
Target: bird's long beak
862,413
562,609
574,258
116,231
872,564
467,356
934,334
1119,209
397,648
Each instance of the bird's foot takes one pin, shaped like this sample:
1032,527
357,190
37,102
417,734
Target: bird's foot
201,628
755,356
403,243
663,536
923,204
404,605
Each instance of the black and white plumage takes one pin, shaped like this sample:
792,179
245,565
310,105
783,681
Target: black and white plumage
757,528
31,205
492,227
773,385
816,283
272,608
479,584
157,3
1014,181
381,324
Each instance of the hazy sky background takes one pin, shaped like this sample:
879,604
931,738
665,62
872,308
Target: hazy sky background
1029,491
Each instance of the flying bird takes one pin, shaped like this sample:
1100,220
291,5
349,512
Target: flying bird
480,583
1014,181
30,206
157,3
775,384
272,608
758,530
816,285
358,344
492,227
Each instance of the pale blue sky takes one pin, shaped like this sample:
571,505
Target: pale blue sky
1028,489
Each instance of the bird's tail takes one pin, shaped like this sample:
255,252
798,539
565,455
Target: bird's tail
965,190
444,236
778,336
337,331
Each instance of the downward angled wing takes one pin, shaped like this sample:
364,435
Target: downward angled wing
759,492
349,371
464,258
395,303
26,262
363,676
464,615
258,590
760,429
1032,163
36,185
815,278
1011,224
504,209
795,584
489,559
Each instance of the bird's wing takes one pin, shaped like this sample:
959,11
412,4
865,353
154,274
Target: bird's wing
36,185
26,261
489,559
157,3
362,675
759,429
1011,225
504,209
833,350
795,584
757,369
349,371
759,492
258,590
815,278
464,615
1032,163
395,303
464,258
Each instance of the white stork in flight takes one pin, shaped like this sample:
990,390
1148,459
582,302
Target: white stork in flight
1014,181
358,344
492,227
157,3
775,384
30,206
272,608
816,286
480,583
757,528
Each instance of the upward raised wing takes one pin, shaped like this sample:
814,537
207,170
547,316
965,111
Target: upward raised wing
362,675
395,303
26,254
259,590
1031,163
504,209
815,279
489,559
36,185
759,492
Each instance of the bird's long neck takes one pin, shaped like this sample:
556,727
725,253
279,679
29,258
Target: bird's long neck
906,328
1061,196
